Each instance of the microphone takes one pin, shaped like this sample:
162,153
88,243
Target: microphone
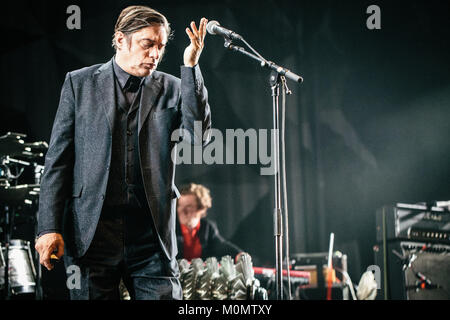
214,28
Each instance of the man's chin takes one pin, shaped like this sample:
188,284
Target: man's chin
146,71
143,72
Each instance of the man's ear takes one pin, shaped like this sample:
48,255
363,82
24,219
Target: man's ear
121,40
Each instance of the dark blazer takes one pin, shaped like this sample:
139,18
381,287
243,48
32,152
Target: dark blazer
79,155
213,244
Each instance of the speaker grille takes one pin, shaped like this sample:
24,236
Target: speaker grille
431,262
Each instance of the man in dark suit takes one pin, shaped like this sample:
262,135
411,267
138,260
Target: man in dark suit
107,200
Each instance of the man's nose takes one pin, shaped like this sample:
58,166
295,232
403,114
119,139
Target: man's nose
154,53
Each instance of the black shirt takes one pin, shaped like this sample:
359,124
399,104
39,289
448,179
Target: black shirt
125,185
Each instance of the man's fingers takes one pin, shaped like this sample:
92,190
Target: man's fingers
47,253
45,261
190,34
197,35
194,29
203,23
194,39
45,257
201,29
60,252
48,265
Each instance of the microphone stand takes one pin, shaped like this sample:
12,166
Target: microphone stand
277,79
264,63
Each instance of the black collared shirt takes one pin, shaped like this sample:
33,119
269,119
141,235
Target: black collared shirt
125,184
125,195
124,78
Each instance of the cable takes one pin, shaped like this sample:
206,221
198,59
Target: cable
254,51
349,281
283,173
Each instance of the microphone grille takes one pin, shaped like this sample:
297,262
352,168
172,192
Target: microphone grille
210,26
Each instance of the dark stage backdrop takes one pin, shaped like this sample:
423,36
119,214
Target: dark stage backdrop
368,127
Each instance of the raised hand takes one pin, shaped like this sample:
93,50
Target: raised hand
197,36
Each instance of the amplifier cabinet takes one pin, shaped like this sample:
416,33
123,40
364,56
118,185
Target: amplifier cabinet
412,270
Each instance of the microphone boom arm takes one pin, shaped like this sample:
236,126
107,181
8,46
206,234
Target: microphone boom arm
263,62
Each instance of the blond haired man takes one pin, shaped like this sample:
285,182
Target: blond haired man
198,236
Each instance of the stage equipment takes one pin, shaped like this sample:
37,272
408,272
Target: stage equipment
22,273
320,270
13,145
210,280
266,277
277,79
214,28
413,222
15,156
413,252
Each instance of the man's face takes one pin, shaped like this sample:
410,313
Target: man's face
188,211
140,52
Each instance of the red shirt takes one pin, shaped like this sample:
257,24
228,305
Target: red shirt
192,247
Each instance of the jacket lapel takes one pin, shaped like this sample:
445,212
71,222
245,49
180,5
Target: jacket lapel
106,93
150,92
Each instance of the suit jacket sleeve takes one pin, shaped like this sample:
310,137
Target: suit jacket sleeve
195,110
56,182
218,246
